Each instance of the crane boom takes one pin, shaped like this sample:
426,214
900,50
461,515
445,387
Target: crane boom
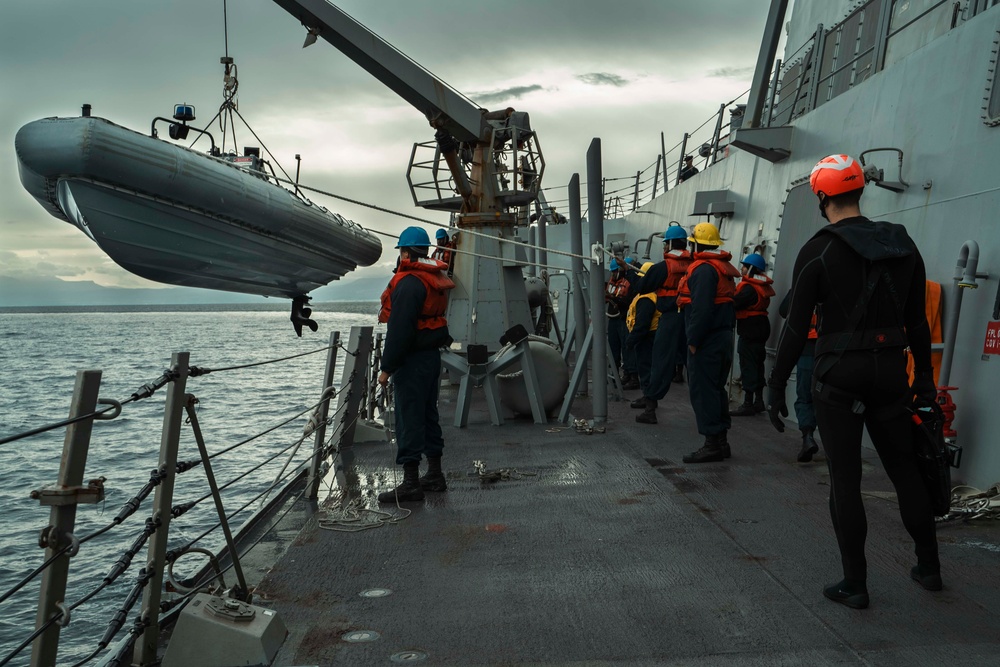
442,106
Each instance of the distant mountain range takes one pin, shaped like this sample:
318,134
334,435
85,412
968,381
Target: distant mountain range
17,292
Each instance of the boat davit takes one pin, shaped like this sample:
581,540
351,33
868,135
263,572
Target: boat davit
183,217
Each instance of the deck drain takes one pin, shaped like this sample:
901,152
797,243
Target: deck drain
360,636
375,593
408,656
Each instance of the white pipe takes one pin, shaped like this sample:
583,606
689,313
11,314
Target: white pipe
965,278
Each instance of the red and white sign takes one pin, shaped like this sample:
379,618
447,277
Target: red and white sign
992,345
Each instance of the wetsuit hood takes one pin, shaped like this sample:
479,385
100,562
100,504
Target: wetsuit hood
872,239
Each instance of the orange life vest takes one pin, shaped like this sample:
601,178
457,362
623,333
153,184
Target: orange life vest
720,261
443,253
617,289
677,265
762,286
431,274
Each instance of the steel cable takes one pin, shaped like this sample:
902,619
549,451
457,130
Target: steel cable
196,371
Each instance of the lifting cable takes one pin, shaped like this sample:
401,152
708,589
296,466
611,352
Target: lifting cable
433,223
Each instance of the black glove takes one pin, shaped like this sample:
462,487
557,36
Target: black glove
776,406
923,387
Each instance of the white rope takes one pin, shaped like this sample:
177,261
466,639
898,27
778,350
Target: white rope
433,223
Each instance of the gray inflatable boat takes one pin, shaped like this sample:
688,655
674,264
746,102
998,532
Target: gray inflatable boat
183,217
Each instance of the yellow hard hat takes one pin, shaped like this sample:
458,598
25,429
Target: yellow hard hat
705,233
645,267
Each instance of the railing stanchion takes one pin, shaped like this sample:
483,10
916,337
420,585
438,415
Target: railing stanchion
62,516
312,485
173,415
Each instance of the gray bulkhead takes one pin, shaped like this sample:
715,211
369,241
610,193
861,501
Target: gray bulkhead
929,103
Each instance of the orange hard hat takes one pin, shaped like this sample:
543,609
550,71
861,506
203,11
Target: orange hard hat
836,174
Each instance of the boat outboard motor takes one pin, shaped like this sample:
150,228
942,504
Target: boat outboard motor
300,315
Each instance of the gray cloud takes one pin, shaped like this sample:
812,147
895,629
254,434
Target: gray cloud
603,79
731,72
512,93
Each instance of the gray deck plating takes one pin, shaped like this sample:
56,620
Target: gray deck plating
615,553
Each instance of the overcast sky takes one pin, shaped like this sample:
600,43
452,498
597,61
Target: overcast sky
623,71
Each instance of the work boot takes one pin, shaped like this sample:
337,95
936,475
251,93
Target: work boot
638,403
712,451
809,446
409,489
758,401
746,409
647,416
724,441
679,374
433,479
850,594
631,381
928,577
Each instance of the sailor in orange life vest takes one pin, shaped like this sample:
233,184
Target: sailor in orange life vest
413,308
753,296
867,280
618,294
444,247
642,320
705,294
669,344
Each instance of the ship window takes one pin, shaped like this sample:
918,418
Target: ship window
992,111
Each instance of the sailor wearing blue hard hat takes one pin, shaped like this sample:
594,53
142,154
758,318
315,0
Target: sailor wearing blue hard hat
618,294
752,299
669,343
413,309
443,251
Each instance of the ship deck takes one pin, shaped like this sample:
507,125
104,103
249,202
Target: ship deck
606,550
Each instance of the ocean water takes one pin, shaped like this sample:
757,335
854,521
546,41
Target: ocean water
40,353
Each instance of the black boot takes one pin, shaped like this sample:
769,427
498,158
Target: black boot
434,479
638,403
809,446
758,401
647,416
724,444
679,374
850,594
409,489
630,381
746,409
928,577
711,451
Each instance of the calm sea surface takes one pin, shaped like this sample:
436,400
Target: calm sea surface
40,353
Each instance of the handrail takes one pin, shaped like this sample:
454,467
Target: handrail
65,546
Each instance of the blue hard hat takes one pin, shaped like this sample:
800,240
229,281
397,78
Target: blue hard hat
414,237
441,234
756,261
614,264
674,232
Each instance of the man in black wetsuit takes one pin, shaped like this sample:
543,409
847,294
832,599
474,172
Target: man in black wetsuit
866,280
413,309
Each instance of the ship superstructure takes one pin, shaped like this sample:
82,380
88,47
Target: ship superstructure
912,89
